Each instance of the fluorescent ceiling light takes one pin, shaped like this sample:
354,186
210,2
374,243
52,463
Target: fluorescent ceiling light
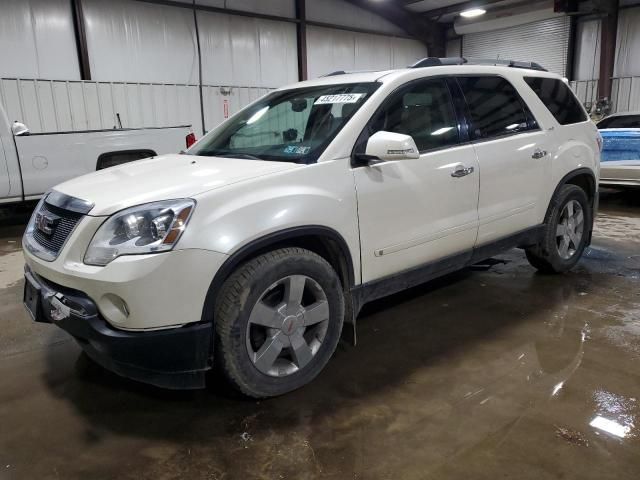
473,12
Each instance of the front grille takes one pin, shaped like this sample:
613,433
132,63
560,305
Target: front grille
61,231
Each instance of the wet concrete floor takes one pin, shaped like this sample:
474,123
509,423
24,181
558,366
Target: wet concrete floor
494,372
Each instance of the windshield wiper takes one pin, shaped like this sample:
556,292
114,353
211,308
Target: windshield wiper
241,155
222,153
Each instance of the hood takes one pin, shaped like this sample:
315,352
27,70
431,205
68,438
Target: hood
163,178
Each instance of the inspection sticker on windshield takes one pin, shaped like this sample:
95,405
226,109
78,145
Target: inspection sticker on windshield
339,98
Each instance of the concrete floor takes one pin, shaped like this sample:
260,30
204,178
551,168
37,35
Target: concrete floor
495,372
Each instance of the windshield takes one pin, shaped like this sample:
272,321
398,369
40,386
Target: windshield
622,121
290,126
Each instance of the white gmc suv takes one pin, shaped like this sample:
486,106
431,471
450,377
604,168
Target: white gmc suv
250,251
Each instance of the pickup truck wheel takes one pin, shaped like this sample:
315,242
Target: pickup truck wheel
566,232
278,320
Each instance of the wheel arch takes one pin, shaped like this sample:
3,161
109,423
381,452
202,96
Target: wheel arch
581,177
324,241
585,179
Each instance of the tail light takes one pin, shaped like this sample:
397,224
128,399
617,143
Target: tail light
190,139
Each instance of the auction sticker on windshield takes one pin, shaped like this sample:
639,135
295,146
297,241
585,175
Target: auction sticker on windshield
297,150
339,98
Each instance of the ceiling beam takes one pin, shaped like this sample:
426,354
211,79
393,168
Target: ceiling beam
421,28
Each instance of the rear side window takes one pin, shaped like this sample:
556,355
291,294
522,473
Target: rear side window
622,121
496,108
558,98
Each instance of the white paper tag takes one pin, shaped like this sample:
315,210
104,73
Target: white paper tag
339,98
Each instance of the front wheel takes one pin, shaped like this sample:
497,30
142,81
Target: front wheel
278,321
566,232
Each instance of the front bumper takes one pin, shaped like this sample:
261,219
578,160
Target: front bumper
176,358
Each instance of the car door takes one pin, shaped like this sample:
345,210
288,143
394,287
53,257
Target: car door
414,212
512,155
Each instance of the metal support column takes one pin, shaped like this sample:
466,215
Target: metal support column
301,34
608,48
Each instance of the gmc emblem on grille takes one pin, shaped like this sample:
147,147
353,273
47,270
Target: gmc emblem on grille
46,222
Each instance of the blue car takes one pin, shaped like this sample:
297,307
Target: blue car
620,159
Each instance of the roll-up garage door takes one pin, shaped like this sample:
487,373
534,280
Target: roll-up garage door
544,42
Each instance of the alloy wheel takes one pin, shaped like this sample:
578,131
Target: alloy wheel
287,326
570,229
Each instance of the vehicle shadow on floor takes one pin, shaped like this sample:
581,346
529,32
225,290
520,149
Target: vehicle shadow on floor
414,332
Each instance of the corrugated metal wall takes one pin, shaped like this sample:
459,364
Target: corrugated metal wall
339,12
545,42
587,54
627,61
37,40
140,42
330,50
247,51
143,59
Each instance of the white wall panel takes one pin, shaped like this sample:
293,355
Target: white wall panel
587,53
373,52
544,41
281,8
627,62
37,39
140,42
339,12
625,96
406,52
247,51
330,50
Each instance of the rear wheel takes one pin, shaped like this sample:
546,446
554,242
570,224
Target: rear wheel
278,321
566,232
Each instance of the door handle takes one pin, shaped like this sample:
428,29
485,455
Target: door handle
461,171
537,153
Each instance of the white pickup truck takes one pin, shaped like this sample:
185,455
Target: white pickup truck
32,163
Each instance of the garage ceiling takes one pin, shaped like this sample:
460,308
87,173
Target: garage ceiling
446,10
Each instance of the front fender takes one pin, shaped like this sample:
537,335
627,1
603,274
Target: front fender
323,194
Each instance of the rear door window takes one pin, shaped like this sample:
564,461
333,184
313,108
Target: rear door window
495,107
558,98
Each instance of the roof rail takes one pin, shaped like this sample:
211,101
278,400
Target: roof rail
343,72
337,72
435,61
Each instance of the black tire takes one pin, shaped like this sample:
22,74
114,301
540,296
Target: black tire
546,255
236,300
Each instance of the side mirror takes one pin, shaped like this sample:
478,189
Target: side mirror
388,146
19,129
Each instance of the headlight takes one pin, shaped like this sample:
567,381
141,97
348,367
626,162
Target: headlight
150,228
